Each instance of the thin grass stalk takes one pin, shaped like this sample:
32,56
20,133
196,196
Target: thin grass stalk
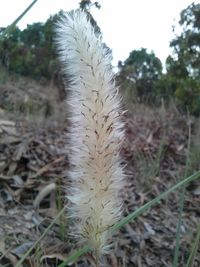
74,257
178,227
136,213
181,203
63,220
190,261
40,238
11,26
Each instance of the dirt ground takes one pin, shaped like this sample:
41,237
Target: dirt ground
33,163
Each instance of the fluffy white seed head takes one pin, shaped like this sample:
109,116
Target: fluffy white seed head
96,130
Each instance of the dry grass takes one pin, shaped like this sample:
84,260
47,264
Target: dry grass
155,151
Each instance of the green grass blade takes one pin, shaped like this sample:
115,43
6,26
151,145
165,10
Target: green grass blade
40,238
181,203
71,259
134,214
178,228
154,201
11,26
117,226
190,262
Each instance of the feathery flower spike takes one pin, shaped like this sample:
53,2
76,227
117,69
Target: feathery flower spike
96,130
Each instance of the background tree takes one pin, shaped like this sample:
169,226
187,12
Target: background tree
86,5
186,46
182,80
31,52
140,71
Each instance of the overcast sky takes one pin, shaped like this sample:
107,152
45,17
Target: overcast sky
126,24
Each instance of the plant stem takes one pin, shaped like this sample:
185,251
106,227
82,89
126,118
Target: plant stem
154,201
135,214
181,202
40,238
11,26
191,258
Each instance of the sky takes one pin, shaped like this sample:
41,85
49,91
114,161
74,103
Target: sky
126,25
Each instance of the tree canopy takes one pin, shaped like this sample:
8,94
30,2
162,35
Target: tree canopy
184,65
186,46
141,73
142,70
31,52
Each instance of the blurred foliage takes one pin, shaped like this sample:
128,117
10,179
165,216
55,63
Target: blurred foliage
140,71
141,76
184,65
86,5
31,52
